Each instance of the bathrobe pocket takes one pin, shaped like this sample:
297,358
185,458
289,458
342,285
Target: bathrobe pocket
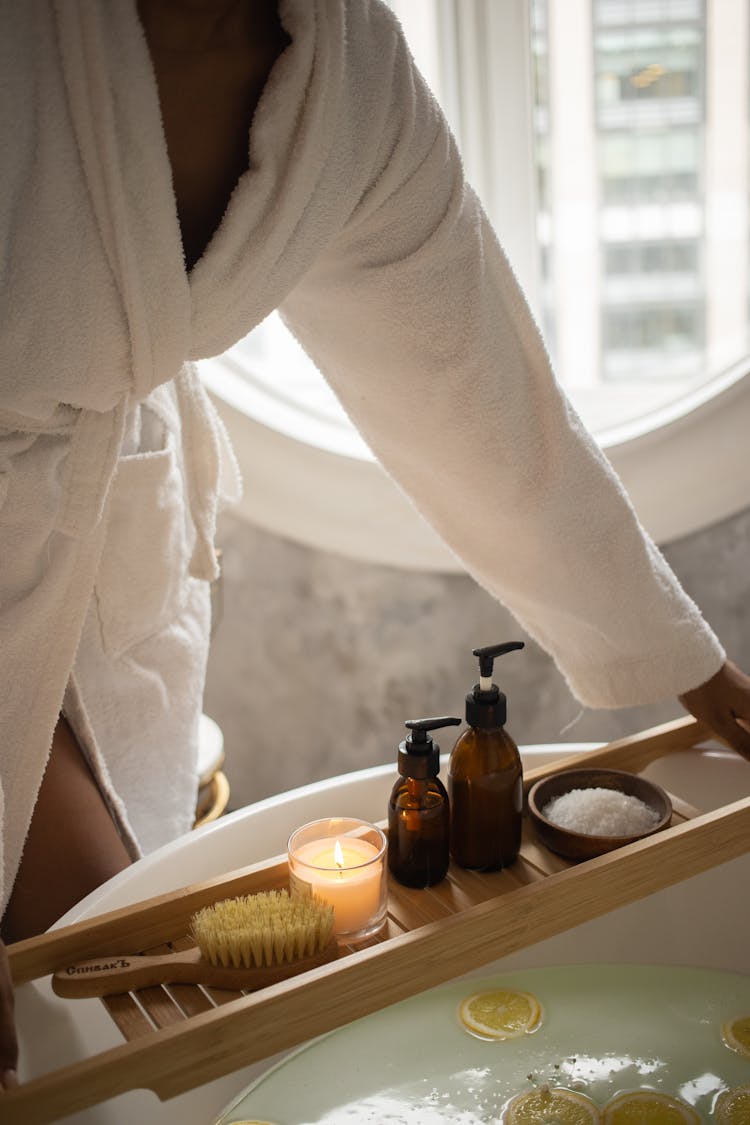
15,458
31,464
142,579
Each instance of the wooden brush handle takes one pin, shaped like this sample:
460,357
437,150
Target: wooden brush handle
109,976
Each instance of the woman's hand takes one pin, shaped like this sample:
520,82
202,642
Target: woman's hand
8,1041
723,704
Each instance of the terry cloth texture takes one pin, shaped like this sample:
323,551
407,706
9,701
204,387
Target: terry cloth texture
354,218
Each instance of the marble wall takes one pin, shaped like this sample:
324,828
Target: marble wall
318,660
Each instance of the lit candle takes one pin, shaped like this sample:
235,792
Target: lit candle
345,870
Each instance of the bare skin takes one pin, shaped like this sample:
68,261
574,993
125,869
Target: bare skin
723,704
73,846
211,62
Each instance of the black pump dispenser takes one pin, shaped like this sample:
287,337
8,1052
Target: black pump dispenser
418,754
486,705
418,809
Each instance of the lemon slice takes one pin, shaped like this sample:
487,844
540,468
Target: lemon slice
500,1014
558,1105
647,1107
733,1106
736,1035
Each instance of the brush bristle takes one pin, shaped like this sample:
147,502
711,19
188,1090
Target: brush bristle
270,928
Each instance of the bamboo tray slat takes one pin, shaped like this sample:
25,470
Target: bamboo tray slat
180,1036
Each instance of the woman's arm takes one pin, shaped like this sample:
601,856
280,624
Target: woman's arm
415,317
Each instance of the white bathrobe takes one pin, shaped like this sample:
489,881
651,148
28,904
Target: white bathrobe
355,220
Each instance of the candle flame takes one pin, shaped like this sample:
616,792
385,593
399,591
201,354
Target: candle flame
338,855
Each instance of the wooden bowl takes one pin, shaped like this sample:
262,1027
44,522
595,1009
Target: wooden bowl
580,845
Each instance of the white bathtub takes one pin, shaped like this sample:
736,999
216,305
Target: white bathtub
703,921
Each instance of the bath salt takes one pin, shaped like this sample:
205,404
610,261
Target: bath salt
600,812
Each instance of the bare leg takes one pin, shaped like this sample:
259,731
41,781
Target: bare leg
73,844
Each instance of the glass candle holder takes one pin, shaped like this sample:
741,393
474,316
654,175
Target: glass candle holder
342,861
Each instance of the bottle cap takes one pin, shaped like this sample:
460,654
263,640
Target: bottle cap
486,705
418,754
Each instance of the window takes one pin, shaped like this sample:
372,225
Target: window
667,256
632,331
644,61
626,125
658,165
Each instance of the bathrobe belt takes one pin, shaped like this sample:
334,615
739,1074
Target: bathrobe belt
207,451
96,441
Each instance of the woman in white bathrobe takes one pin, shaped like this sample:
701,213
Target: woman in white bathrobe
141,232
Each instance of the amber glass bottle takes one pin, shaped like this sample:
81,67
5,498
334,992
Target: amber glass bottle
418,809
485,777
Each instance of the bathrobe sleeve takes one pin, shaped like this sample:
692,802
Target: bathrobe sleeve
415,318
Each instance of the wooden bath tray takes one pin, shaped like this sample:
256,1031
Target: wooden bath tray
179,1037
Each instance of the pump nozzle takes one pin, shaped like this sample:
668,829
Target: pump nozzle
487,655
419,728
486,704
418,755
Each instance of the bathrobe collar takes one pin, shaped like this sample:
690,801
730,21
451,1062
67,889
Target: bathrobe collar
247,268
243,273
122,149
